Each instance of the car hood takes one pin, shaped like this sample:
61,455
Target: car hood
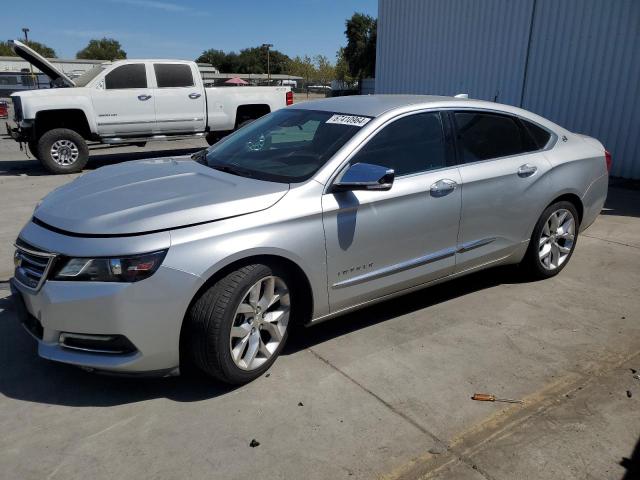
41,63
152,195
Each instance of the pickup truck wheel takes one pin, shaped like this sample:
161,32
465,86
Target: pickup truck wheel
239,325
33,149
63,151
214,137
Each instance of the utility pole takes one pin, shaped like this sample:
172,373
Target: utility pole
268,46
26,41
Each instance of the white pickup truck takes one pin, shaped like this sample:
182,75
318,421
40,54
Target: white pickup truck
128,102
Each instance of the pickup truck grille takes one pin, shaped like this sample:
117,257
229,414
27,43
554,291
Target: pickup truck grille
31,265
17,108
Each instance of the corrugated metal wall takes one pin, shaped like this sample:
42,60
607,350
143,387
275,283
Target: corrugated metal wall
576,62
584,73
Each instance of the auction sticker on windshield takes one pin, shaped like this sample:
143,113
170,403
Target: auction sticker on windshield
349,120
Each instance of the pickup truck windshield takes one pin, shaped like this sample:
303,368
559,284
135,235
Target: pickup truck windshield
285,146
87,76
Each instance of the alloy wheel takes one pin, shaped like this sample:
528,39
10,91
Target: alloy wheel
64,152
260,323
557,239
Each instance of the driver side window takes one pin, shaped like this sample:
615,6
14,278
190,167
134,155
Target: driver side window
133,75
412,144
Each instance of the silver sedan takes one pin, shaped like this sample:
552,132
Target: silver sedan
307,213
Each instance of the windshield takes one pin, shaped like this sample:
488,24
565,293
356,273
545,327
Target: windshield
87,76
287,146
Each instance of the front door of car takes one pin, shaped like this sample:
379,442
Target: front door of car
381,242
123,103
504,186
179,99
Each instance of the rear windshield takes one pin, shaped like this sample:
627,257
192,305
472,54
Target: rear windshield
286,146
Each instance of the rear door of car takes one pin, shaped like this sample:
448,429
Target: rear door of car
123,102
179,98
504,183
381,242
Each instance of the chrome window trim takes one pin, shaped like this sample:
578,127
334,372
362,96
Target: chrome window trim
372,134
553,140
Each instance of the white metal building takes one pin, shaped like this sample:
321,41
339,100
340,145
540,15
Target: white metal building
576,62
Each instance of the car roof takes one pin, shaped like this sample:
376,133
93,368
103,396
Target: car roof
369,105
376,105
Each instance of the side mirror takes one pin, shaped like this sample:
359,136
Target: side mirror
364,176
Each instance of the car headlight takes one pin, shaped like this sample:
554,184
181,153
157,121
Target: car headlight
116,269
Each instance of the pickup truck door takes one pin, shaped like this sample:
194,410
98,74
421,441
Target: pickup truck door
123,102
179,98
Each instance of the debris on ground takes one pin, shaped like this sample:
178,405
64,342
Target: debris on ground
438,448
254,443
300,404
487,397
267,375
629,394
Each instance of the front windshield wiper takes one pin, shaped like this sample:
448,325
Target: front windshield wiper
200,156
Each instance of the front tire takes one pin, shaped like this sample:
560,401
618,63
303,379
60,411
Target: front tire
238,327
63,151
553,241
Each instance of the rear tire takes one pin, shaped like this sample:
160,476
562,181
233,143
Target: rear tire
553,241
237,328
63,151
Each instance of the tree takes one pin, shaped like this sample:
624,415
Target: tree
342,69
249,60
215,58
302,67
360,52
325,71
5,49
103,49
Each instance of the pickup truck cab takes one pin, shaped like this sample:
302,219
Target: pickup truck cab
128,102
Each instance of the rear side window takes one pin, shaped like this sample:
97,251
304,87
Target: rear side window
171,75
482,136
412,144
539,135
133,75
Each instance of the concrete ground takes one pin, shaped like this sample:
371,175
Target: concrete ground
381,393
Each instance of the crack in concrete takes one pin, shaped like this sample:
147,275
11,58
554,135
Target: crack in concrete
456,455
610,241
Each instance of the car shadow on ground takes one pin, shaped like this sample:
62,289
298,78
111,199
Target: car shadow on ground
25,376
98,158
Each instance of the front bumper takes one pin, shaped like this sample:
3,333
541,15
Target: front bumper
148,313
20,133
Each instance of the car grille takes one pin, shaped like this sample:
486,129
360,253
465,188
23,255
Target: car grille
31,265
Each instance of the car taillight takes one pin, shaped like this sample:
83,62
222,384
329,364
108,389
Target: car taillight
608,160
289,98
3,110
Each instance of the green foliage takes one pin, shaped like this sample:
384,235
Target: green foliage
103,49
342,69
5,49
302,67
325,70
249,60
360,52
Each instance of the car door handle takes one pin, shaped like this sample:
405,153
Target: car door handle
442,187
144,97
527,170
193,96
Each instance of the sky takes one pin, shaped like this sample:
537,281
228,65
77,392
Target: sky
182,29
